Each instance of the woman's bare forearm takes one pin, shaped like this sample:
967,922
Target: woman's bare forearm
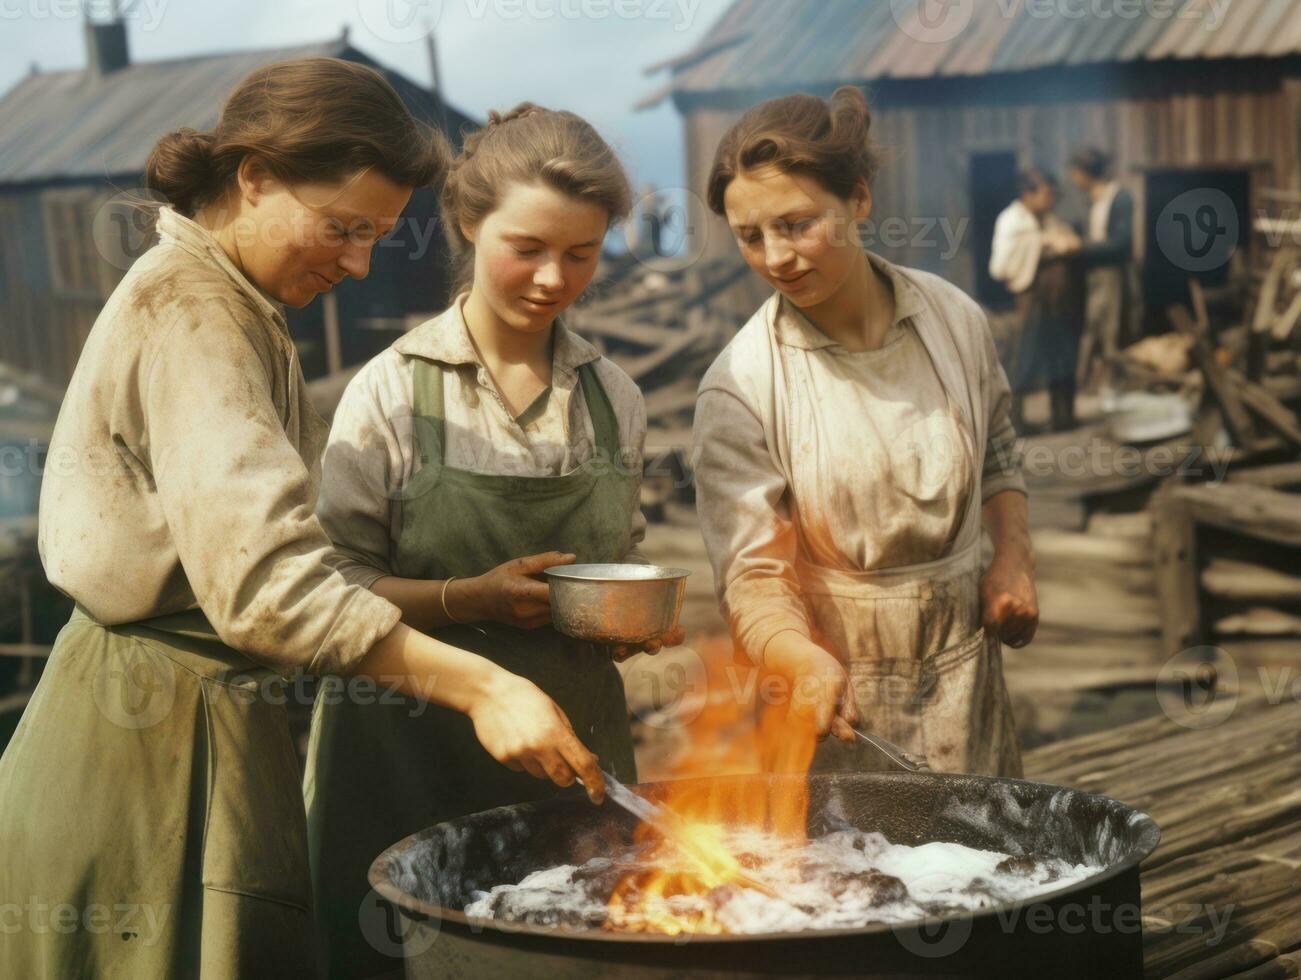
514,720
422,601
1006,518
429,669
1009,604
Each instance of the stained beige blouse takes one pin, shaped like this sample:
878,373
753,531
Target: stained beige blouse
372,456
884,470
854,461
185,463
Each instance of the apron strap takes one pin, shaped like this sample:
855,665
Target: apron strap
605,424
427,410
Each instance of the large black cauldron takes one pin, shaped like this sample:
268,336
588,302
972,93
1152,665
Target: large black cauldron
1090,929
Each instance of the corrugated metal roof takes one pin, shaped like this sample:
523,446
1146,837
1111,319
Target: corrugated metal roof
794,43
72,125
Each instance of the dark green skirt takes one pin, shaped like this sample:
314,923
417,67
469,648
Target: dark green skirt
150,819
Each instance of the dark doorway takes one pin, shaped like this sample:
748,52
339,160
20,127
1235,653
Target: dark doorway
1196,221
992,187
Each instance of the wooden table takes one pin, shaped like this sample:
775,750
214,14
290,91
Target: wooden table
1222,892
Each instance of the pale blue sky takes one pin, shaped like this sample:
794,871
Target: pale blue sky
583,55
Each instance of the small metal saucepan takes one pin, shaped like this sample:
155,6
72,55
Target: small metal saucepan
618,603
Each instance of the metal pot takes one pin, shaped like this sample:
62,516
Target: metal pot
620,603
1089,929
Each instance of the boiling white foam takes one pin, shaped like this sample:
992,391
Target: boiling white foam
846,879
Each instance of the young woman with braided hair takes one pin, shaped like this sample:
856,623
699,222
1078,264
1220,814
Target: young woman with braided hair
484,446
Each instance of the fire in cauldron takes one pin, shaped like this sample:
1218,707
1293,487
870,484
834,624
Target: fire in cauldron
860,873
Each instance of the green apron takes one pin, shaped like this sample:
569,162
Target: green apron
380,768
150,824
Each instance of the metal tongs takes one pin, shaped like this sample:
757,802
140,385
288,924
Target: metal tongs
670,825
897,755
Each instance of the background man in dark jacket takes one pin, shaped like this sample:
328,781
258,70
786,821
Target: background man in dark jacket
1111,310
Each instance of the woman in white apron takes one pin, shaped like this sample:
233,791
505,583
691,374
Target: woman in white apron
150,793
848,444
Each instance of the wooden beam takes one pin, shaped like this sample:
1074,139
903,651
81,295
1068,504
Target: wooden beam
1261,403
1260,512
1228,578
1278,475
1263,320
24,650
1286,322
1174,541
649,335
671,399
683,340
1236,419
1198,296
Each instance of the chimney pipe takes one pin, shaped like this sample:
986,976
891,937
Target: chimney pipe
106,43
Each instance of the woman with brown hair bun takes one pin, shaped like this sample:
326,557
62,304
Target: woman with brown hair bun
486,445
847,443
152,786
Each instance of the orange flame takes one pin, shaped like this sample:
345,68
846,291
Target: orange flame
731,735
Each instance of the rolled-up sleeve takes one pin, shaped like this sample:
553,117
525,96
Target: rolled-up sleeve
1002,466
357,477
238,500
741,499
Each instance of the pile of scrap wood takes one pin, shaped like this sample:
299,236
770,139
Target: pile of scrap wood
664,326
1250,372
1228,555
1139,562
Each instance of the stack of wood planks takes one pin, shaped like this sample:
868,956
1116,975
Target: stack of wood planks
1229,569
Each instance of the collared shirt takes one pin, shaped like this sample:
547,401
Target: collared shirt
184,467
371,454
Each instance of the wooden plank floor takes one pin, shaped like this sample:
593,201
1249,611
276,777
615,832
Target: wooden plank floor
1222,892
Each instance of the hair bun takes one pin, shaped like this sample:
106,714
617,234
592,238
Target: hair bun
849,111
181,167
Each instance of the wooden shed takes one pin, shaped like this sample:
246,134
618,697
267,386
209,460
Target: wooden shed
1198,102
73,146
